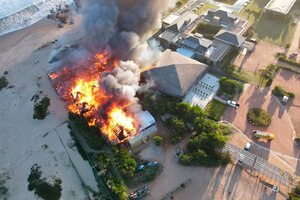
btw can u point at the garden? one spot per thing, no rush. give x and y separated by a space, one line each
208 31
259 117
215 109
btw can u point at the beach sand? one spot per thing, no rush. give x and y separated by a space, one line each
23 139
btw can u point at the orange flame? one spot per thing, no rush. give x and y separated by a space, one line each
87 99
118 123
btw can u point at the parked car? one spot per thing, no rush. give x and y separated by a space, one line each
284 100
273 187
264 135
139 193
233 104
247 146
240 160
293 55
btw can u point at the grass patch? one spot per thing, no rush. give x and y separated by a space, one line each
3 82
268 74
204 8
240 74
41 108
229 86
214 109
271 29
259 117
230 2
208 31
280 92
267 26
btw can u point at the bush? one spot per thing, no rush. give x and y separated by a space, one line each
125 162
118 188
280 92
230 86
259 117
175 138
91 134
40 109
157 140
104 162
214 109
295 194
208 31
3 82
283 58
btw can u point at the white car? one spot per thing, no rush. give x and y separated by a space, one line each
233 104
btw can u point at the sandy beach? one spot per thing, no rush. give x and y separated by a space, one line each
25 141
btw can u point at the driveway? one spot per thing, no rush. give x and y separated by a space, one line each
263 55
291 82
281 125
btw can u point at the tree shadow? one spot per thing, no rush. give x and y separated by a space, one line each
215 184
234 180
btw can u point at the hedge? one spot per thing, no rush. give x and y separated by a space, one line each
259 117
283 58
280 92
214 109
208 31
230 86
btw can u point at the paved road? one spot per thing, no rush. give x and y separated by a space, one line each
258 164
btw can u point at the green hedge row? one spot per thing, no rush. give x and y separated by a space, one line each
280 92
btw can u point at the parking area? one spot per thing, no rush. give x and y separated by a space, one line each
200 183
290 82
281 125
263 55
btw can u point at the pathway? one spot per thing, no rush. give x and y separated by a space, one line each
294 48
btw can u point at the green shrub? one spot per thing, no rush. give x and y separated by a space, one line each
295 193
283 58
259 117
280 92
40 109
230 86
157 140
91 134
125 162
207 30
3 82
176 138
118 188
214 109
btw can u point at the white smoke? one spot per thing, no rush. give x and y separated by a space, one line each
123 81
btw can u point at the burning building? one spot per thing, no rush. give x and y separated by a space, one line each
99 78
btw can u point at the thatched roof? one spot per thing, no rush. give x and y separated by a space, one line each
175 74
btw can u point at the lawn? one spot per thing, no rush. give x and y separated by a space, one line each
230 2
208 31
268 28
215 109
204 8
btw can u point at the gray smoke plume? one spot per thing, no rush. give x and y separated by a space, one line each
118 26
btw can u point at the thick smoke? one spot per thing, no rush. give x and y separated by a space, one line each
123 81
118 26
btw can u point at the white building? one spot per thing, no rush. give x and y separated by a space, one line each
203 92
147 128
